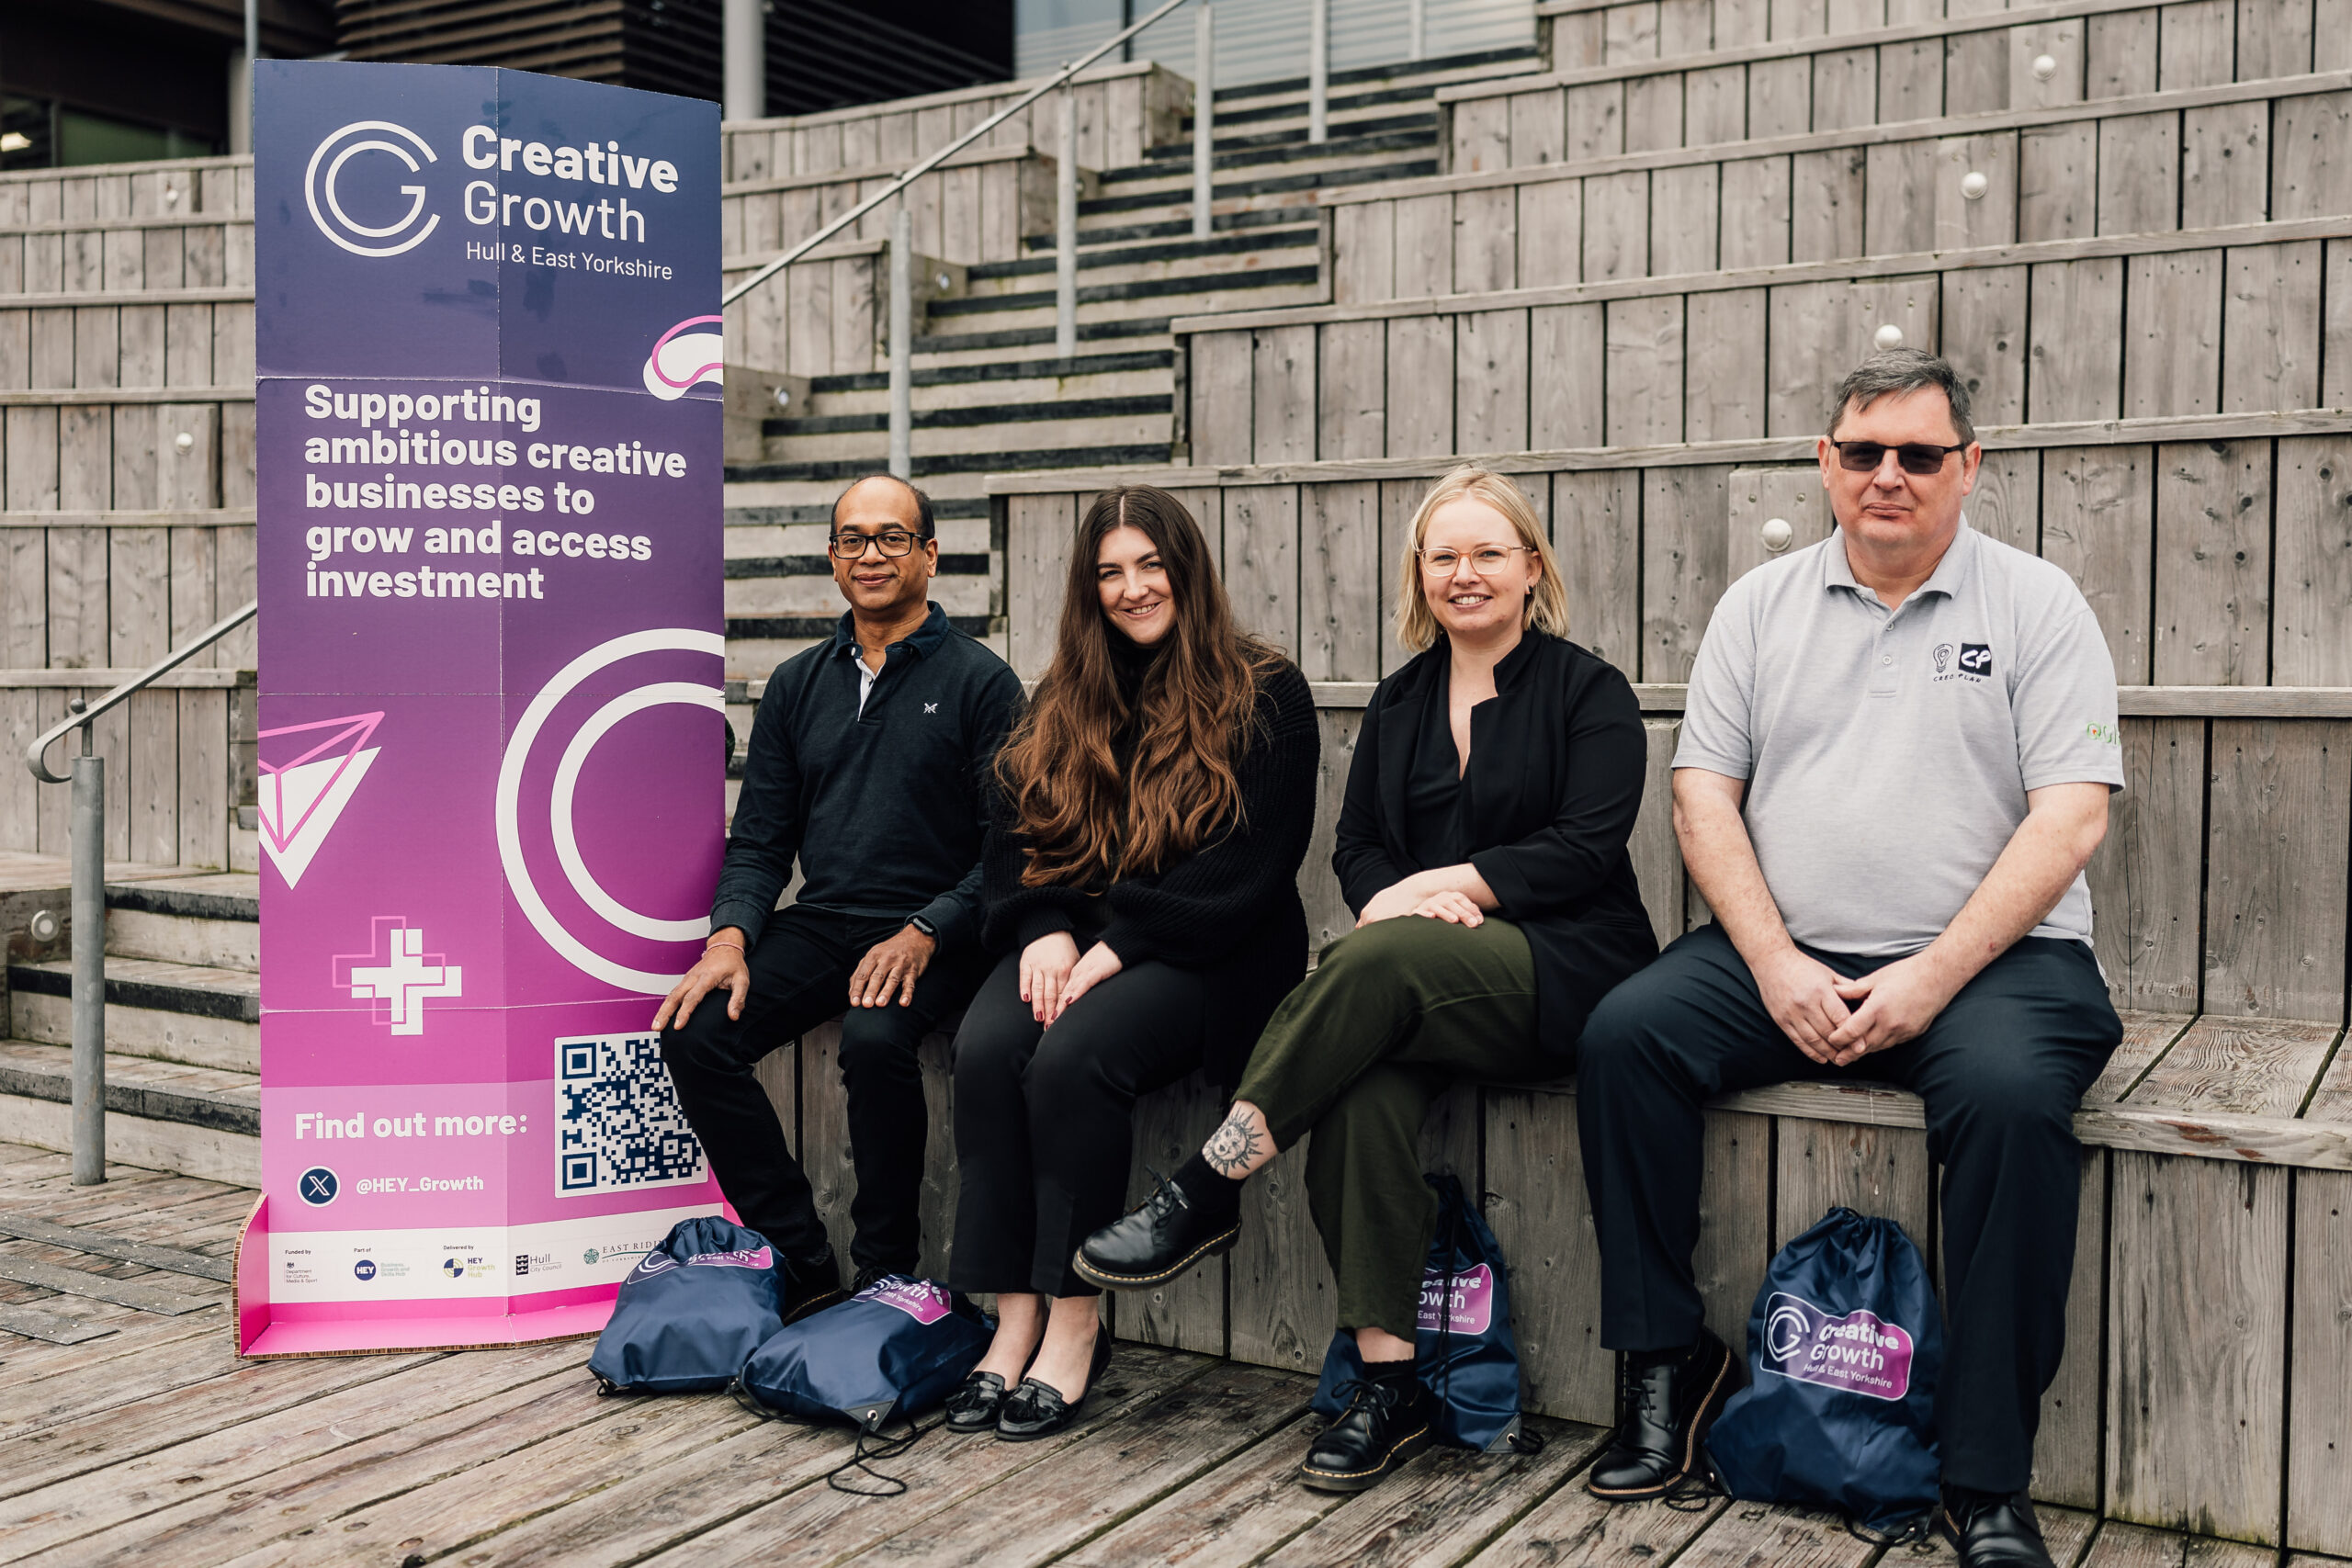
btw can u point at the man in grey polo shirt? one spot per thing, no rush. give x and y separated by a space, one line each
1894 764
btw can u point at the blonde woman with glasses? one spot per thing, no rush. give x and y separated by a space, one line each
1482 845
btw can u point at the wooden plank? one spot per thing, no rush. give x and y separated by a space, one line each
1491 372
1220 378
1328 915
2121 51
1484 249
1779 97
1714 106
137 1295
1542 1217
2252 1067
2173 334
2139 173
2061 42
2275 911
2007 503
1187 1314
1230 1517
1900 196
1747 1535
1723 388
1424 245
1684 205
1682 564
1565 376
1039 532
1363 259
1351 390
2310 639
1760 495
2212 601
1645 350
152 805
1340 603
1539 128
1596 120
1282 407
2225 148
2075 362
1399 499
1827 221
1735 1230
1596 532
1756 211
2198 48
1657 852
1653 113
1617 225
2271 347
1573 1529
1550 229
1421 385
1280 1302
2095 504
1874 1170
2066 1447
2319 1506
2197 1356
2309 177
1845 88
2144 876
1261 560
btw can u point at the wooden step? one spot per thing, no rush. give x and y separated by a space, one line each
192 1014
211 919
192 1120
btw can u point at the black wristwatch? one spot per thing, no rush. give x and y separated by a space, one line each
923 926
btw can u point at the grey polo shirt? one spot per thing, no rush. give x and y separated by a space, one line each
1887 755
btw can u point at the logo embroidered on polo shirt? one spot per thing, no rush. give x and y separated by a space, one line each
1971 662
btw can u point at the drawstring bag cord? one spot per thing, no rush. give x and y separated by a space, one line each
1918 1528
871 1444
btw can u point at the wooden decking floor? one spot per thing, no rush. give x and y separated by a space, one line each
152 1442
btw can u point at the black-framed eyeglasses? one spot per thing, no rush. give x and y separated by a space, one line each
889 541
1919 457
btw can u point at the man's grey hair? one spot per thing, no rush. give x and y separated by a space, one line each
1898 370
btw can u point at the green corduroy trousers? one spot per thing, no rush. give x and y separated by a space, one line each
1396 1013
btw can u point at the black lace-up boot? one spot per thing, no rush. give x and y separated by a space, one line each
1991 1531
1666 1403
1184 1221
1389 1418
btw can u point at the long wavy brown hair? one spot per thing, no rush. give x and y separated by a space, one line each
1083 820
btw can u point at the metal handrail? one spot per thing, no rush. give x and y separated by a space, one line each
1060 78
90 711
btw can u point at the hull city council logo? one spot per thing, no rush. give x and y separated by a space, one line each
376 137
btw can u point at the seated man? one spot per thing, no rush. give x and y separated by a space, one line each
1920 723
866 761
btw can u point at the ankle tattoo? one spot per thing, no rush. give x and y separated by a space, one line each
1232 1147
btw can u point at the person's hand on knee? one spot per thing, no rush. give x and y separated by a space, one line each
722 964
1456 909
1045 964
893 965
1801 993
1098 965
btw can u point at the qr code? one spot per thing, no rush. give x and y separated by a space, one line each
618 1123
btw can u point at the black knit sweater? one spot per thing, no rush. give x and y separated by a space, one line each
1231 906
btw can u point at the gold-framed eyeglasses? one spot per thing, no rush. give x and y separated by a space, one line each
1486 561
846 546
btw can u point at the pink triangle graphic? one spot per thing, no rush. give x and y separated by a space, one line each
301 798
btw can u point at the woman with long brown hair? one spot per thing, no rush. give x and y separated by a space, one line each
1152 805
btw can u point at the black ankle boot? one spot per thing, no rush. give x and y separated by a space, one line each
1180 1223
1388 1421
806 1285
1990 1530
1667 1403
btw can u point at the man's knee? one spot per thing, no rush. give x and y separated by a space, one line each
1621 1032
702 1044
877 1039
2005 1095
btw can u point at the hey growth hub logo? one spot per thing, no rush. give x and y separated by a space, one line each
376 136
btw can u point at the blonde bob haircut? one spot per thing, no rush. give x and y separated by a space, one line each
1547 605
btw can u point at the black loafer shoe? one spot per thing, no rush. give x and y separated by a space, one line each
1383 1426
808 1285
1991 1531
1153 1243
1667 1404
1037 1410
976 1404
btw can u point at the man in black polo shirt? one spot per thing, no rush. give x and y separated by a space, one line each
866 762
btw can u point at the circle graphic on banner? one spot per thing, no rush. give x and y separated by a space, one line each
318 1186
319 186
611 910
365 1269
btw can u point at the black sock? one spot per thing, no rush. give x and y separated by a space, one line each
1208 1190
1396 1374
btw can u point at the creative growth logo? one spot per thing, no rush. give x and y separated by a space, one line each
306 783
683 357
396 970
1858 1352
319 188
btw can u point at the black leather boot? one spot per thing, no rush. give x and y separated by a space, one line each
1153 1243
806 1285
1667 1403
1990 1530
1384 1425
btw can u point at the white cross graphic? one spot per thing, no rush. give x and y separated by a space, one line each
405 980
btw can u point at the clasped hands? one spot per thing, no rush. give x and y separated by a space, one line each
1837 1021
1053 975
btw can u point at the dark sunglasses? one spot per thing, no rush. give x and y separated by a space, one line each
1915 457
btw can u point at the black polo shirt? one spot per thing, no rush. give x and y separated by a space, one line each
884 808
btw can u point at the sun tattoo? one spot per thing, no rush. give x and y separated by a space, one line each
1233 1147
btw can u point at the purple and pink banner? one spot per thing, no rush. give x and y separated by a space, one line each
492 739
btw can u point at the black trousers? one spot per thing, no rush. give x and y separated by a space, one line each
801 969
2001 1069
1044 1118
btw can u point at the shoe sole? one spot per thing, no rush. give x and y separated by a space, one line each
1709 1408
1216 1245
1406 1449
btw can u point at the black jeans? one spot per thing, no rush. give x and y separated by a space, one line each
1044 1118
801 969
2001 1069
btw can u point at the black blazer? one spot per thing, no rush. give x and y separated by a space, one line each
1557 760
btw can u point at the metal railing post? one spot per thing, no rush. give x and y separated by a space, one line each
1203 118
86 834
1066 232
902 334
1318 70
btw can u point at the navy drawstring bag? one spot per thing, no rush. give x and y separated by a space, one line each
1464 1350
691 1312
1845 1344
